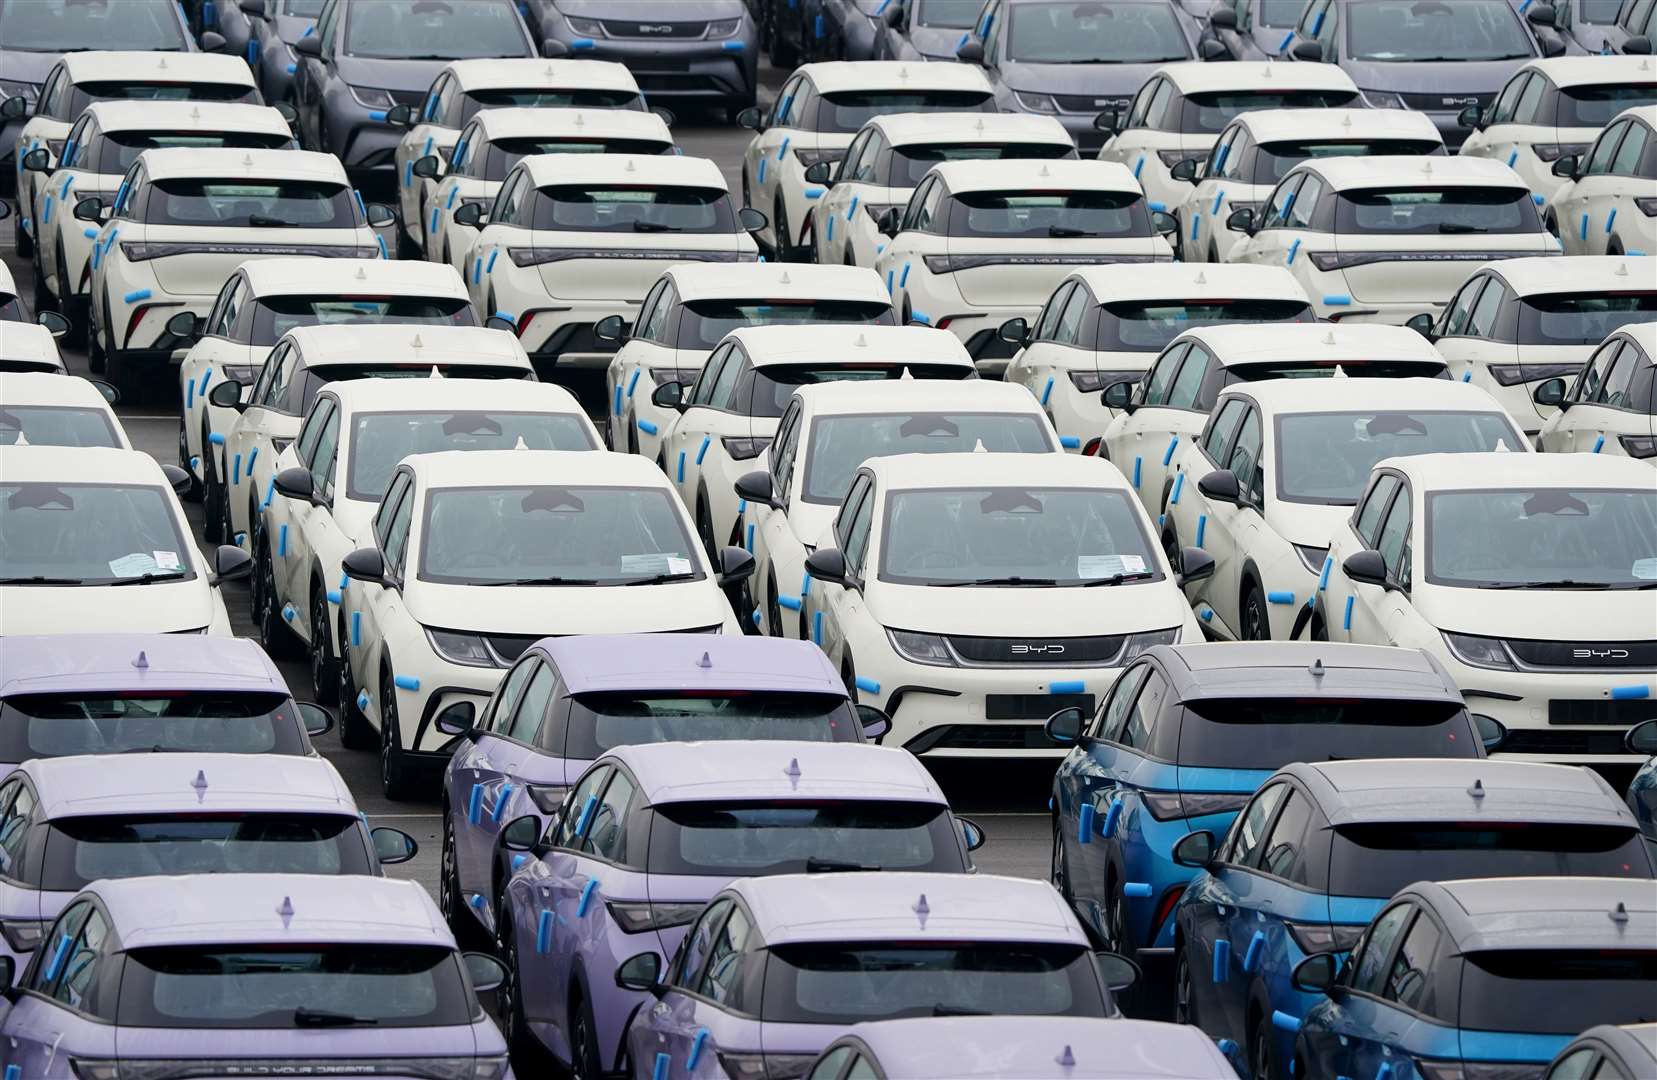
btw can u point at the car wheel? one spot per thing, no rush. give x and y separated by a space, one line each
848 675
43 298
1256 627
450 900
25 243
1260 1050
527 1053
1116 921
704 530
1185 1001
773 609
355 732
395 770
585 1063
1058 868
1614 247
779 226
632 427
267 617
193 492
324 668
96 361
74 308
212 494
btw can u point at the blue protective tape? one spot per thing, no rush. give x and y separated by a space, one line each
1336 299
474 804
282 540
449 204
216 438
1222 960
831 227
362 701
1584 230
1284 1022
903 282
659 1071
1179 486
543 932
633 382
618 400
1139 889
750 538
408 173
888 282
586 814
1257 944
792 603
356 630
206 375
852 209
867 685
732 46
1196 222
500 803
343 581
493 255
805 584
377 116
14 1072
1467 376
586 897
920 317
755 616
477 271
1630 693
814 192
1278 596
1075 686
334 596
90 233
1610 219
1206 614
817 627
762 170
1293 249
681 466
1084 824
1139 166
190 394
235 468
1323 578
406 682
783 149
1070 442
46 210
57 957
1168 454
696 1048
1047 391
1514 156
1599 444
1202 527
433 226
1384 1072
701 451
136 295
648 427
1113 816
1136 472
1317 23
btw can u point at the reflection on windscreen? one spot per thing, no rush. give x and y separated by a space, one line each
839 445
218 722
1326 457
848 110
380 440
1053 214
85 849
634 209
304 9
1378 859
948 14
271 204
1540 538
1280 13
1600 12
1445 211
1094 33
1149 325
121 148
1582 318
1389 31
1211 112
911 163
750 839
775 384
1269 733
601 722
704 323
434 30
70 25
54 425
1274 160
89 534
274 316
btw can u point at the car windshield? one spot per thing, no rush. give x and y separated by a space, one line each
1094 32
193 721
1049 214
1377 859
1581 318
1274 160
1596 106
602 722
844 982
303 9
434 30
121 148
1268 733
751 839
1444 211
948 14
1280 13
90 534
703 324
911 163
1411 31
838 445
1208 113
380 440
77 25
55 425
774 384
555 536
505 153
847 111
137 90
1542 538
274 316
294 986
1326 457
1560 991
258 204
634 210
1149 325
1014 536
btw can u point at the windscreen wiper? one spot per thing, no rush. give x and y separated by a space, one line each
40 579
941 1009
1455 228
1014 580
1563 583
538 581
147 578
654 226
815 865
305 1017
1117 579
1066 232
658 579
265 221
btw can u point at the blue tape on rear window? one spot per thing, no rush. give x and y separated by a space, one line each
57 957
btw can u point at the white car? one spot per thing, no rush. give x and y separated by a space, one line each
40 408
894 152
814 118
1608 204
184 219
728 417
303 361
1519 322
1101 326
29 347
1258 149
688 312
264 299
497 139
466 87
1534 589
1611 406
828 432
981 242
1383 239
473 556
79 524
80 78
1047 582
329 482
1278 466
1553 109
575 238
1182 108
102 146
1172 402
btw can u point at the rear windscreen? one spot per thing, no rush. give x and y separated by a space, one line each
1323 369
794 837
1269 733
58 725
1061 215
274 316
129 90
1562 991
1450 211
1581 318
505 153
121 148
55 425
1273 161
665 210
911 163
251 204
1149 325
775 384
1209 112
1596 106
848 110
316 378
1378 859
600 722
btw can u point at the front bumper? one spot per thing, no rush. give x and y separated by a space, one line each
1545 712
428 685
725 70
358 135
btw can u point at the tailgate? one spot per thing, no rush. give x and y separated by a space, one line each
1007 273
197 261
1424 268
591 266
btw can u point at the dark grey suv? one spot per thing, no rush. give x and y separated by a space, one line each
265 32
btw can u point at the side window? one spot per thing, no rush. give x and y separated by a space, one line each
1508 99
76 141
1141 105
17 805
913 210
79 986
1220 157
1157 108
388 506
693 955
576 817
1305 202
1162 374
1147 707
647 311
607 832
702 392
504 212
322 461
848 508
835 1060
927 213
396 539
1282 201
870 161
1530 100
1599 160
1482 323
1369 968
526 719
267 372
786 112
849 164
786 446
1375 504
469 156
281 380
127 196
1614 388
1461 308
1222 427
434 97
1244 459
1594 372
1118 702
990 27
49 966
1070 319
1250 829
223 315
1183 394
1285 852
655 328
720 981
1049 317
1627 161
1409 979
451 104
506 698
722 396
1391 541
857 539
48 90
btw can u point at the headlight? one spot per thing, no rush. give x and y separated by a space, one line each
920 648
1480 652
1477 1070
547 797
724 28
1555 151
1036 103
370 98
1091 382
1138 643
743 448
1312 557
684 376
1382 99
416 1068
637 917
1512 374
765 1066
1639 446
1321 937
458 648
23 935
809 158
1171 158
243 375
1648 207
28 91
585 27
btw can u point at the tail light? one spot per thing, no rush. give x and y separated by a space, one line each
1094 447
1170 900
1322 937
1648 207
138 314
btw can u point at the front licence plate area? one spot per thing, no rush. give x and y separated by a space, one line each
1601 711
1034 706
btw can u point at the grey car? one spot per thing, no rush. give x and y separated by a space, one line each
1587 23
1636 26
1255 29
366 57
265 31
689 51
1435 56
926 29
1074 60
853 27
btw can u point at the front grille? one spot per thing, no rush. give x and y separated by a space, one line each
1600 711
1000 737
1556 741
1031 651
1585 654
1088 103
639 28
682 84
1441 102
1033 706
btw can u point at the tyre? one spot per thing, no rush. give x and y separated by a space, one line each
95 359
1058 869
585 1059
773 608
779 227
1117 936
75 309
527 1053
632 434
324 668
193 492
704 530
355 732
267 613
451 901
43 298
1185 1001
1255 624
1261 1057
24 242
396 771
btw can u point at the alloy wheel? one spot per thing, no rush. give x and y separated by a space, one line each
323 680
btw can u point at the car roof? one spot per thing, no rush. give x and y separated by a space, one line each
188 116
908 472
51 663
1531 275
111 65
833 76
1642 334
1544 913
782 281
507 468
516 123
1363 395
29 341
354 343
992 1047
1285 125
1593 70
1241 343
80 464
1409 171
287 276
1035 174
1301 669
905 129
1496 470
829 343
724 771
1636 1044
596 663
373 395
1647 113
668 170
916 395
234 909
1465 789
51 388
513 73
85 785
1203 76
790 908
218 162
1192 281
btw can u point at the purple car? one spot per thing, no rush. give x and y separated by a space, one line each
993 1047
66 822
116 693
650 832
221 975
568 700
776 968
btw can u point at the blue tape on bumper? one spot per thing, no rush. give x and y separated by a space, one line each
216 438
1139 889
701 451
696 1048
633 382
868 686
356 631
136 295
1179 486
406 682
500 802
1084 824
1630 693
1257 945
1277 596
586 897
543 932
1336 299
1222 960
1074 687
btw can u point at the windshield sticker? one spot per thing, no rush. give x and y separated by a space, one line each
167 560
1645 569
651 565
134 565
1098 566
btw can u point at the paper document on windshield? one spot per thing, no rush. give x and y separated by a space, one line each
135 565
654 564
1100 566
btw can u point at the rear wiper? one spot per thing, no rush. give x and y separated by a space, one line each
941 1009
538 581
304 1017
654 226
265 221
1452 228
1066 232
40 579
683 575
1117 579
147 578
999 581
815 865
1564 583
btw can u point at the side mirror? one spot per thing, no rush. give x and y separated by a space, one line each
107 389
1064 727
38 160
1222 18
501 323
430 166
1221 486
365 564
1569 167
484 970
1241 220
1641 738
294 482
1309 51
521 834
1116 970
1423 325
392 846
1550 392
317 720
471 214
735 566
827 564
669 395
890 221
611 328
972 833
1315 974
1185 169
1195 564
177 478
1015 331
287 112
754 486
1472 118
379 215
751 118
642 973
1366 567
874 721
970 52
1637 46
55 324
14 108
1109 121
1213 49
256 8
457 719
400 116
821 172
1119 396
212 41
1492 732
88 209
1164 223
230 563
310 45
1542 15
1195 850
752 220
227 395
184 324
553 49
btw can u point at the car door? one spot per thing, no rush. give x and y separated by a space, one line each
1463 352
483 766
1379 614
43 1029
1223 529
295 563
503 229
439 114
310 79
1588 206
628 360
915 238
381 606
1349 1039
1039 364
1361 532
1501 128
701 421
851 180
1628 191
1604 397
843 606
1137 439
546 996
252 438
1273 243
677 1015
773 534
1116 808
762 160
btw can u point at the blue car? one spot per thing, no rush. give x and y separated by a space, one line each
1642 792
1189 732
1476 979
1316 854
